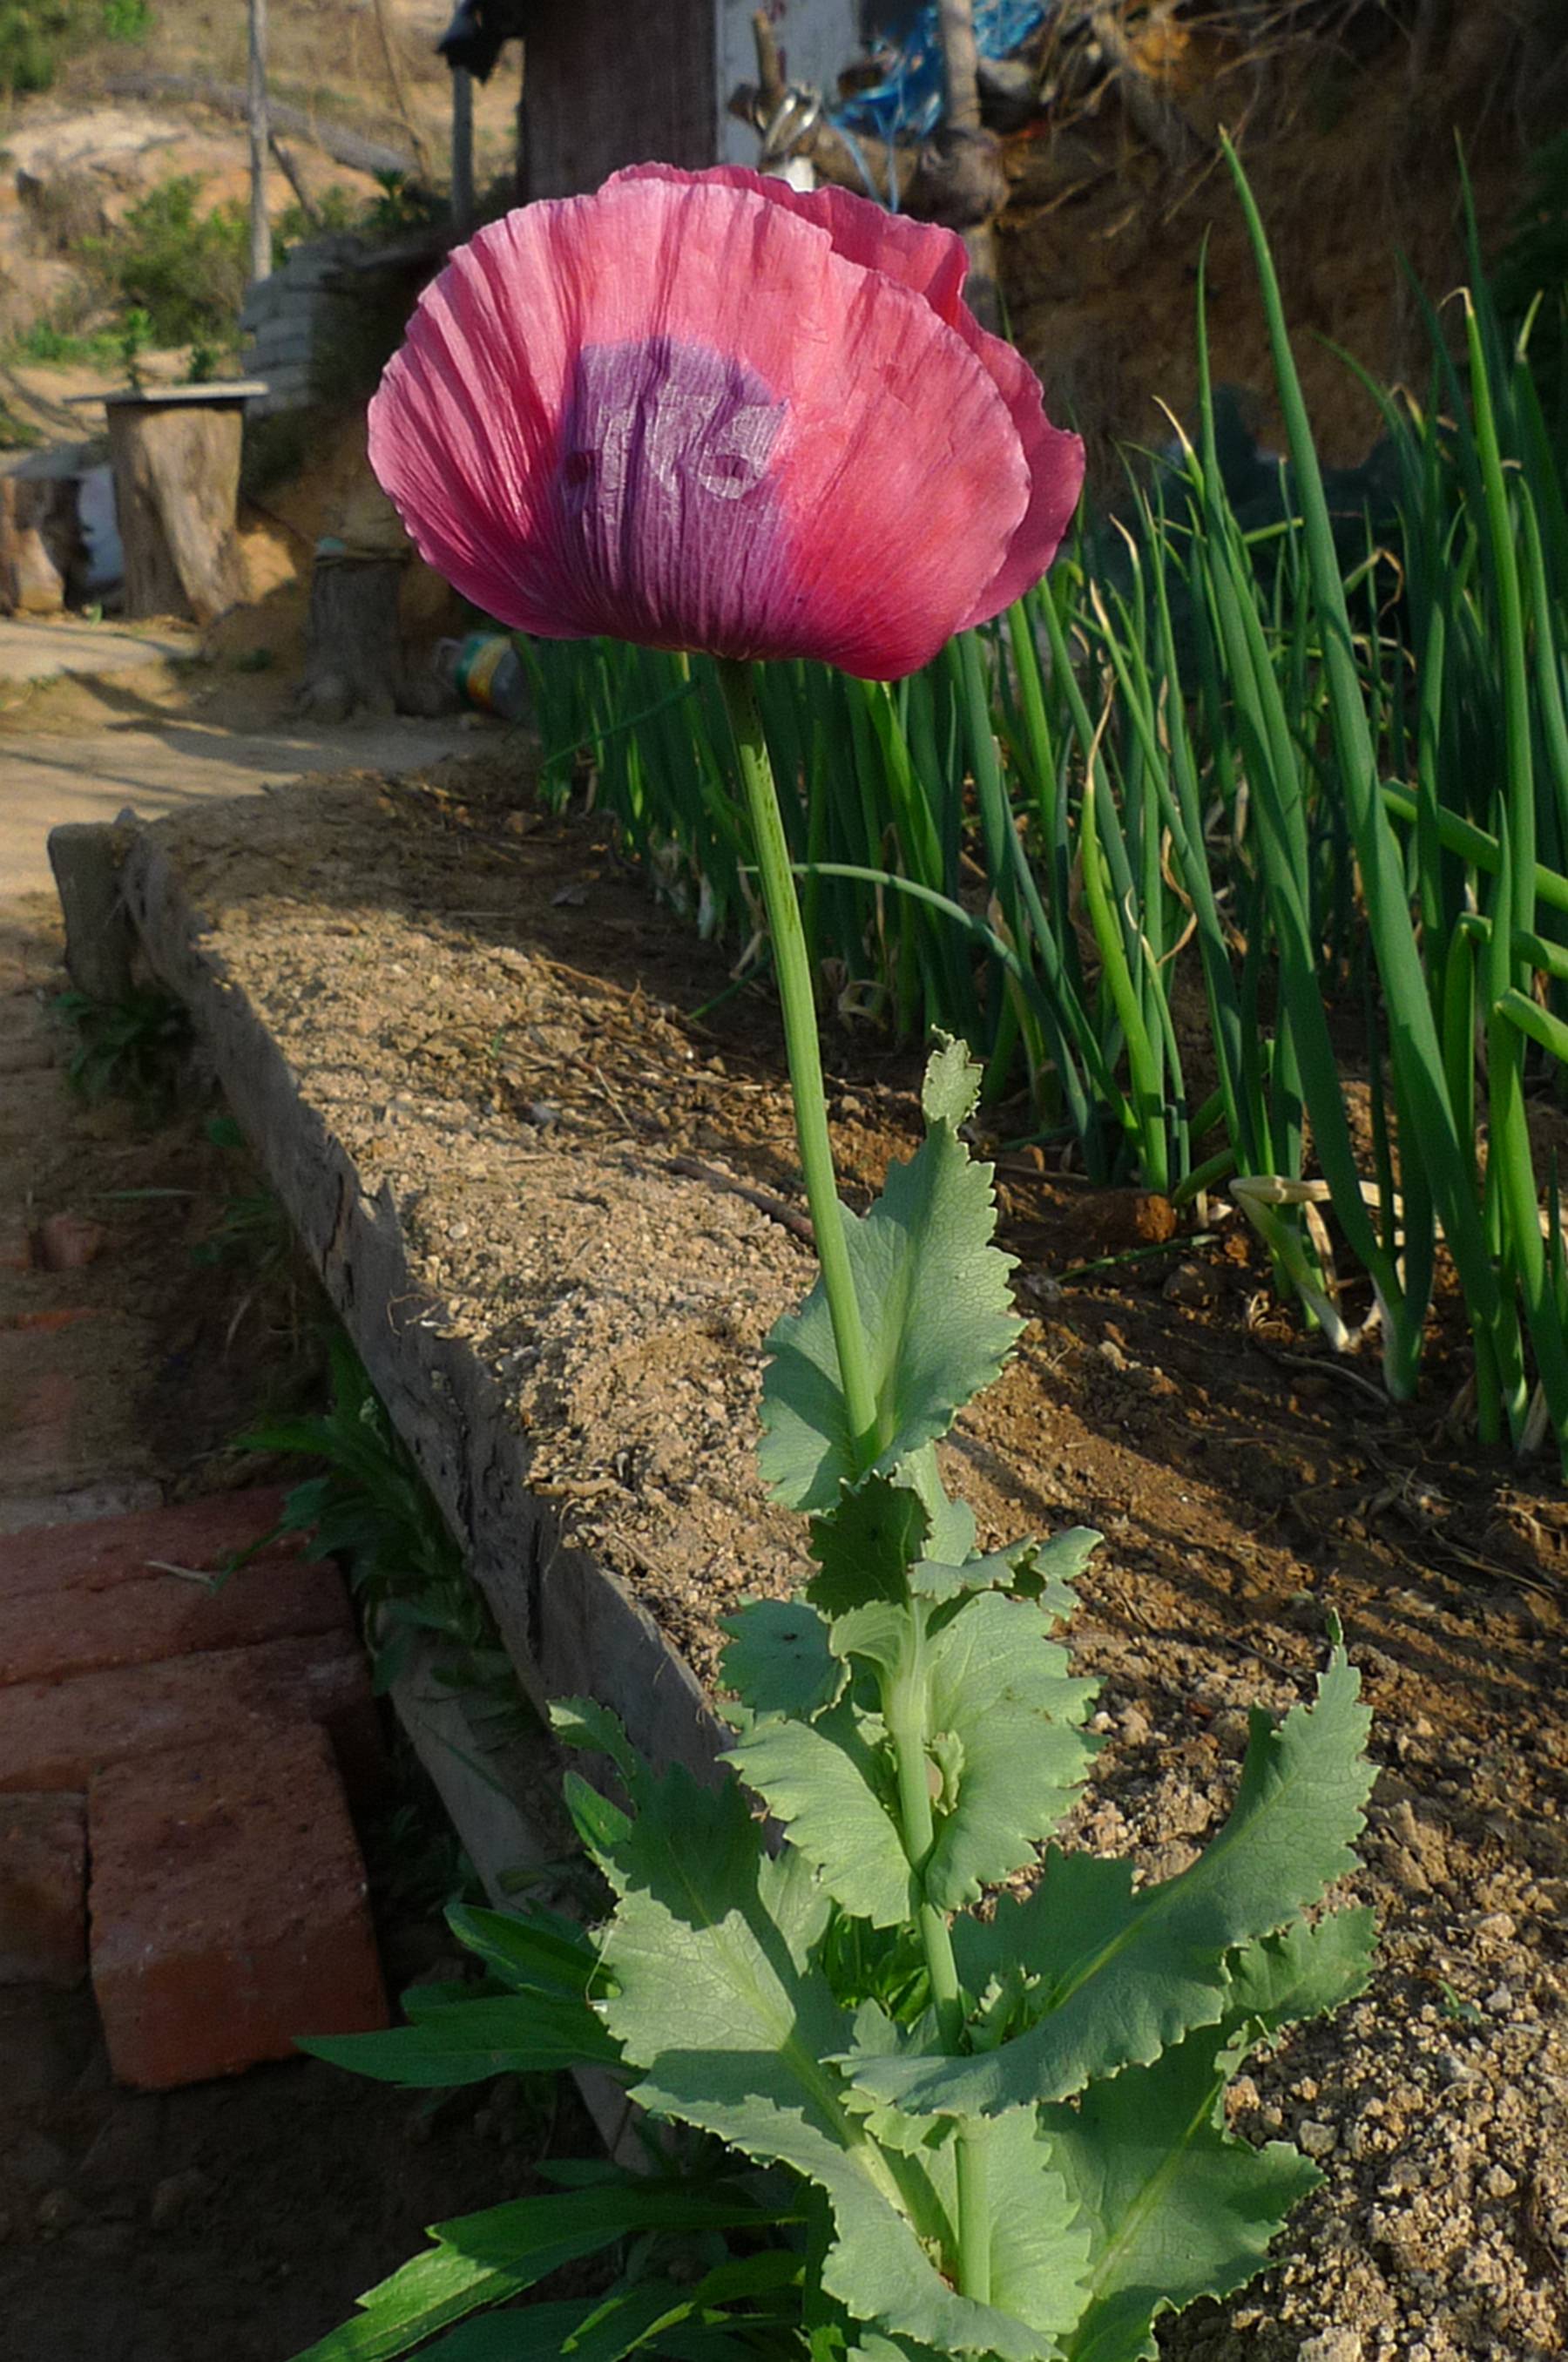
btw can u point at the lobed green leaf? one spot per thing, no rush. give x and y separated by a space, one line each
721 2005
1000 1688
1177 2209
778 1660
936 1309
1120 1976
819 1783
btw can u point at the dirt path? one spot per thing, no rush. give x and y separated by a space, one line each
141 2226
156 756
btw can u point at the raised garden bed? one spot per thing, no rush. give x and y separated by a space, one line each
454 1029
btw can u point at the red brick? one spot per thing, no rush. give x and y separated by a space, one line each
198 1534
142 1619
68 1401
43 1870
228 1909
16 1247
57 1733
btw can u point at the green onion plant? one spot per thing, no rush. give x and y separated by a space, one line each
1295 759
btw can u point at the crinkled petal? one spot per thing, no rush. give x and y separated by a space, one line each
932 262
919 255
1054 459
675 412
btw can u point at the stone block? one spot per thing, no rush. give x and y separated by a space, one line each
105 1550
228 1908
147 1617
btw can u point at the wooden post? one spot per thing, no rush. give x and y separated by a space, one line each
255 115
962 127
176 468
462 150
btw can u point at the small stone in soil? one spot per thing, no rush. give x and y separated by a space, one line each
175 2195
58 2210
1332 2346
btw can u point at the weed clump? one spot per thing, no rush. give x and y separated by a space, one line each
185 268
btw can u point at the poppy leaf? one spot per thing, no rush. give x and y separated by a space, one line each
778 1661
1178 2208
936 1308
1131 1973
1000 1689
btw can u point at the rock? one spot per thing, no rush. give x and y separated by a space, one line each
1317 2138
1230 1730
58 2210
1332 2346
32 574
69 1241
34 2161
175 2195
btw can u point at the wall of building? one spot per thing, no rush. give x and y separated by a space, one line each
609 83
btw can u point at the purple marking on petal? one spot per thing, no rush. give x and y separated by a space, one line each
667 521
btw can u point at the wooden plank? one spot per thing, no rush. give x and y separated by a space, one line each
567 1623
505 1805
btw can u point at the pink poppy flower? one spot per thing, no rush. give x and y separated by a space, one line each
700 410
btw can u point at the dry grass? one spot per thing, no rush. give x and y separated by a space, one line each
327 57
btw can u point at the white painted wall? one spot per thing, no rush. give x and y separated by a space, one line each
818 38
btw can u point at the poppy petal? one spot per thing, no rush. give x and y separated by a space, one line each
933 262
674 412
919 255
1054 459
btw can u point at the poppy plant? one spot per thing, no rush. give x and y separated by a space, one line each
706 411
992 2127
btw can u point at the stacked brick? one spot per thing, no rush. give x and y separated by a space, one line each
288 323
175 1761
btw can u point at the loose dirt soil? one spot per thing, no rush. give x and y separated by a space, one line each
503 1031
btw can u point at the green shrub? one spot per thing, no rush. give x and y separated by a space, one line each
185 270
33 37
128 20
51 344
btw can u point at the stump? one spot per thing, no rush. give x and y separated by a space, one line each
40 542
353 650
175 455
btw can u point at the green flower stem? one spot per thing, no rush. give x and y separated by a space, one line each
792 968
906 1699
903 1703
975 2210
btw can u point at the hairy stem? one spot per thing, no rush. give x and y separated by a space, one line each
902 1703
793 970
903 1700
